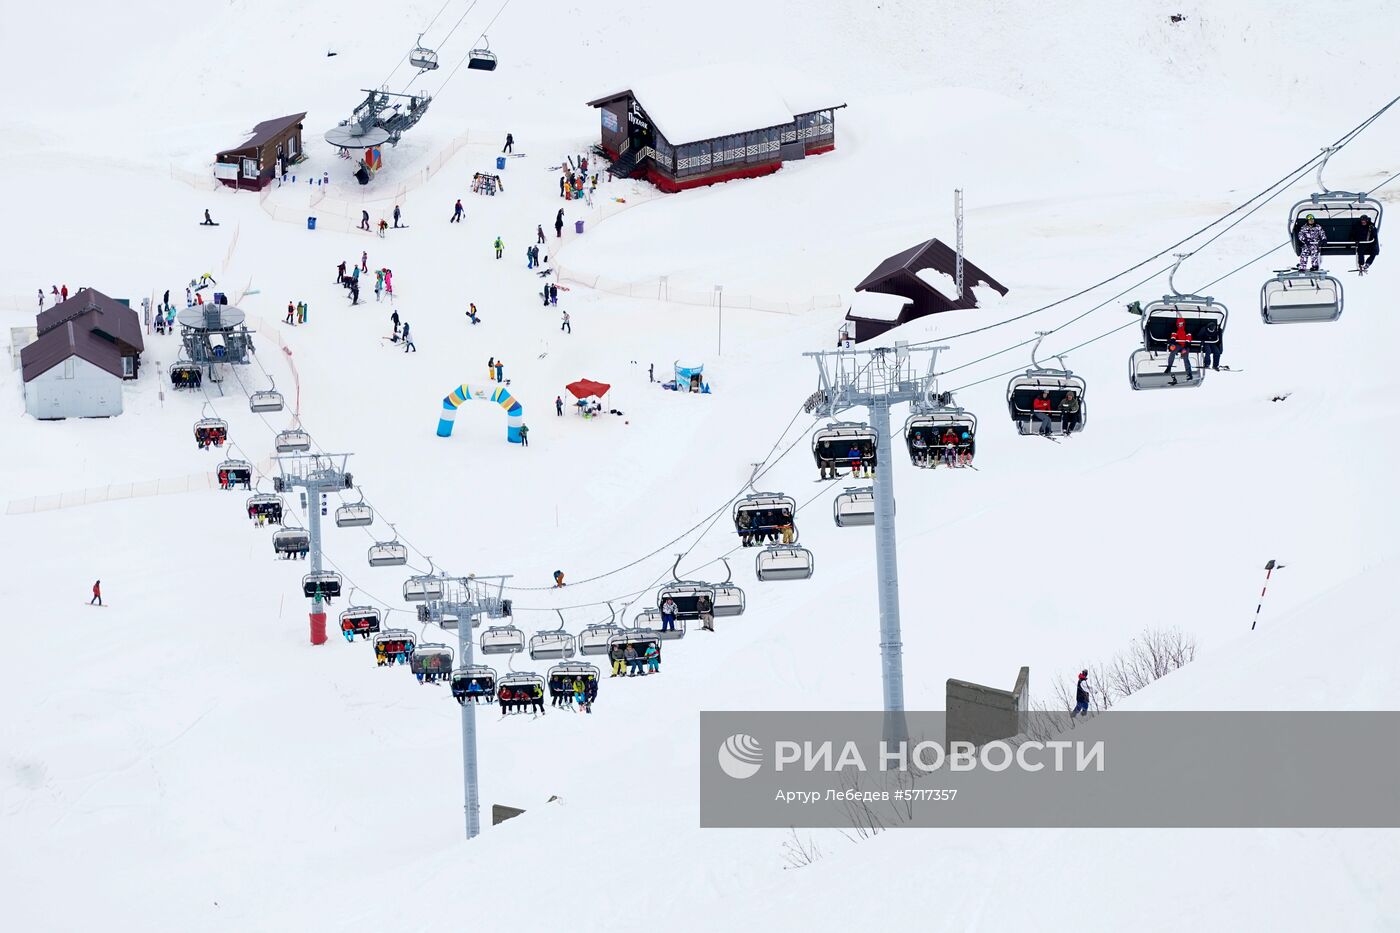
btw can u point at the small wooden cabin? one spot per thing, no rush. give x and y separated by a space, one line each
273 145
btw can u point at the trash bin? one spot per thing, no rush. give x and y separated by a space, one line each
311 223
578 226
500 163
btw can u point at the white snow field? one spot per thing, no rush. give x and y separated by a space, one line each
184 760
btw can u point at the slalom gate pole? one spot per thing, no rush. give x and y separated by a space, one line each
1269 568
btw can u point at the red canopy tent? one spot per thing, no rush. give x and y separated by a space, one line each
587 388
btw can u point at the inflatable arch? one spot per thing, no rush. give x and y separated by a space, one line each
515 414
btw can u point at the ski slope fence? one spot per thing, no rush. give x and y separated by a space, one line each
112 492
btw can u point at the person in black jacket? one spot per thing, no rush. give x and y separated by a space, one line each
1367 243
1081 695
1212 344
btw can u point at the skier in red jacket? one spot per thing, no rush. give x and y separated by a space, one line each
96 593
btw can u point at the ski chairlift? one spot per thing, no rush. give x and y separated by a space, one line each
831 447
266 504
393 646
729 598
290 541
359 620
422 589
293 440
423 58
210 432
1338 213
854 507
265 401
764 515
235 473
639 639
502 639
1159 321
431 662
1147 369
561 678
324 584
552 644
473 682
520 686
650 619
686 594
354 515
925 436
594 638
1024 389
783 563
1300 297
185 376
387 554
482 59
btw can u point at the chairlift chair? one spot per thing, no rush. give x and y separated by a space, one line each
854 507
650 619
393 646
291 541
265 401
293 440
266 504
210 432
1300 297
185 376
729 600
423 58
763 514
387 554
1023 389
1147 369
638 638
515 681
594 638
431 662
354 515
469 675
1337 213
571 670
236 473
551 645
1159 320
783 563
422 589
832 444
482 59
359 620
324 584
686 595
931 426
502 639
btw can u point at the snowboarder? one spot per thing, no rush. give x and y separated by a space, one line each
558 578
208 221
1081 695
510 144
539 234
96 593
340 273
524 435
1364 233
500 370
364 220
566 327
291 314
1212 342
490 368
1311 238
1179 345
407 340
559 223
499 247
394 319
397 215
457 213
471 313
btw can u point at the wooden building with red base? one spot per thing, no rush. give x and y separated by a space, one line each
707 125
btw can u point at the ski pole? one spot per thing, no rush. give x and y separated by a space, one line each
1269 567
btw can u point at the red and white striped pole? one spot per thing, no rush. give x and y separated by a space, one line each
1269 567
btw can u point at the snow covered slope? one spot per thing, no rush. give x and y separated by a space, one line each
182 759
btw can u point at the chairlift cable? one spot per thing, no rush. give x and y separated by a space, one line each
464 58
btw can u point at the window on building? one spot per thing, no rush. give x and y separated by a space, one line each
68 369
128 367
291 147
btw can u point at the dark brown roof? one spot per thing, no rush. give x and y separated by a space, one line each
94 311
68 340
268 131
934 254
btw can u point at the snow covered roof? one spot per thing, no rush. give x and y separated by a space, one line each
721 99
877 306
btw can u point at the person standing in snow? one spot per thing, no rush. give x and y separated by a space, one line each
499 247
651 372
407 341
378 284
500 370
471 313
397 215
559 405
364 220
96 593
553 294
340 273
566 327
457 213
291 312
563 185
41 298
1311 238
510 144
490 368
1081 696
559 223
524 435
364 260
539 234
394 319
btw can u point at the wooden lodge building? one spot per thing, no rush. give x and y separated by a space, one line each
713 124
274 145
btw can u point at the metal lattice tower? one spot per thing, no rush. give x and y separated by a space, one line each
463 602
876 380
316 475
958 218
